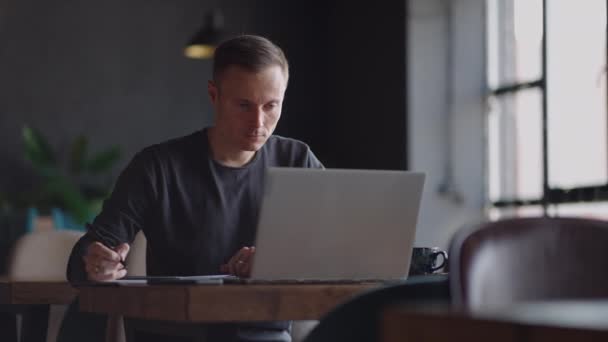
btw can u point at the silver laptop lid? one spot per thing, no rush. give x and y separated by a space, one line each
336 224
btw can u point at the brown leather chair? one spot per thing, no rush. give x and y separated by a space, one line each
497 263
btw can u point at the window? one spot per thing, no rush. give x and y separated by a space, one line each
547 108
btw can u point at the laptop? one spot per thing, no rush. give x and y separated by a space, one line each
331 225
336 225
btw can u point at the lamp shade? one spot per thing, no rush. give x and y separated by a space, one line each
203 43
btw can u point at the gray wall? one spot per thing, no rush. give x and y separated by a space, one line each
111 70
447 113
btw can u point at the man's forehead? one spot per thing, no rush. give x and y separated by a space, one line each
260 97
267 84
237 72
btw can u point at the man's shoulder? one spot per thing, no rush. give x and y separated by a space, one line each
174 145
279 141
169 149
284 151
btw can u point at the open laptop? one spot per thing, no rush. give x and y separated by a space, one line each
336 225
331 225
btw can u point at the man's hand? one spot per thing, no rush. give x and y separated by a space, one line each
102 263
240 264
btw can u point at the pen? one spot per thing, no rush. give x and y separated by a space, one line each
105 241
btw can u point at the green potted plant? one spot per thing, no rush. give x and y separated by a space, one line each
72 188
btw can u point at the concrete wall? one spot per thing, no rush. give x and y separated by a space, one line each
446 110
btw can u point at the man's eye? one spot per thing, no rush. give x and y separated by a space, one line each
244 106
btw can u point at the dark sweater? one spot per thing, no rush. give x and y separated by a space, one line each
194 212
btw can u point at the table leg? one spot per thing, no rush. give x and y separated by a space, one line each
139 330
83 326
35 324
8 326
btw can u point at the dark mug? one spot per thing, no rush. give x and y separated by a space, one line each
424 260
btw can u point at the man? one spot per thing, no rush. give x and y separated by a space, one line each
196 198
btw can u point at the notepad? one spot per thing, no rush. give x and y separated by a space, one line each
160 280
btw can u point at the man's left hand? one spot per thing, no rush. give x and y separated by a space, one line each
240 264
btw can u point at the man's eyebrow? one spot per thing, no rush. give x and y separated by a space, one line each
247 101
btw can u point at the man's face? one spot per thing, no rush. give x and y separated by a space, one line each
247 105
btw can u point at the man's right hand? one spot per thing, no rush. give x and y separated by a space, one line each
240 264
102 263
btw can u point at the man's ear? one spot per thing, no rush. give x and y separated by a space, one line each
212 91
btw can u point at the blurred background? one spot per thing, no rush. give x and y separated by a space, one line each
503 121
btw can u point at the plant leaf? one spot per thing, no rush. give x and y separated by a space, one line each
37 149
91 191
78 154
70 197
104 160
96 205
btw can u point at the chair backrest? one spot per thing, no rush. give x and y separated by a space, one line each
42 255
497 263
136 260
358 319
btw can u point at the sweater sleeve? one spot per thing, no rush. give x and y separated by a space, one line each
122 216
312 161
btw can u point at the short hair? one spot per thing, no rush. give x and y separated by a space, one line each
251 52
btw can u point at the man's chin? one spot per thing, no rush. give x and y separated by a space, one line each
253 145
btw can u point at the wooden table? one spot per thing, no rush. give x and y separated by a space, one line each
218 303
180 309
36 292
32 299
554 321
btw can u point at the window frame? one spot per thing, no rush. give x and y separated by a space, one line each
550 196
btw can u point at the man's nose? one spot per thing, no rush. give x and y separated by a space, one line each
259 118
